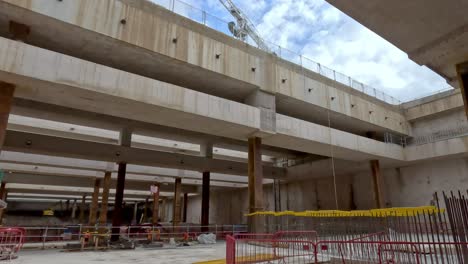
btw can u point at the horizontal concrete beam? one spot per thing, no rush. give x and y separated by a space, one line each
57 113
78 181
64 147
50 164
68 193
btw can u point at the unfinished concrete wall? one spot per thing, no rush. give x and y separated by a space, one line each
443 121
229 207
413 185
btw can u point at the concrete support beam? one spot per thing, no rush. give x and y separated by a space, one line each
377 183
94 203
82 209
6 100
462 71
117 215
155 218
105 198
66 147
256 224
177 205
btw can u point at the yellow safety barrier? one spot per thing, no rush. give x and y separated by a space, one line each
386 212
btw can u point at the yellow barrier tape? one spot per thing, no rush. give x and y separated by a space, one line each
387 212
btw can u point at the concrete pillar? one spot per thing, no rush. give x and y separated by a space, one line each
3 195
105 198
6 100
255 170
177 205
155 218
82 209
135 212
163 210
119 193
73 214
205 210
462 71
94 203
377 184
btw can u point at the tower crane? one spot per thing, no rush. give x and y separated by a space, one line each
244 26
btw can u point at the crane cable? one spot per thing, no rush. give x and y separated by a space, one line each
332 153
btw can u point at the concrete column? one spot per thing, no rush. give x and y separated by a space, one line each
255 170
105 198
3 195
73 214
119 193
177 205
205 210
94 203
377 183
82 209
163 210
462 71
155 218
6 100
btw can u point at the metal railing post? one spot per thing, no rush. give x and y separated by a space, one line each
44 237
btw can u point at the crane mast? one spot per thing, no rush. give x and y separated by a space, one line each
244 26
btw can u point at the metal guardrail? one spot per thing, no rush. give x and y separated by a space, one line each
41 236
440 135
202 17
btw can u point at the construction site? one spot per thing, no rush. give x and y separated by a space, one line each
137 131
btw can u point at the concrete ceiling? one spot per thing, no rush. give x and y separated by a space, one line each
433 32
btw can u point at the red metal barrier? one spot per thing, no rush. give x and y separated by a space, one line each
273 248
11 241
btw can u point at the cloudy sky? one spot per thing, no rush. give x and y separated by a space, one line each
324 34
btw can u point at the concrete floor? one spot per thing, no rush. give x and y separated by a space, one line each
155 256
